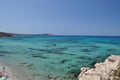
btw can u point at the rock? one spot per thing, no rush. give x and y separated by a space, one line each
86 50
21 64
29 65
52 79
72 76
54 44
65 60
102 71
67 77
58 79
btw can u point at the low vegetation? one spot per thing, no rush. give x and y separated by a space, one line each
116 75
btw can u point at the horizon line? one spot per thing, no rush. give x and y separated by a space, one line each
51 34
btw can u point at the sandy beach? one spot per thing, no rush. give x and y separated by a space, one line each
7 72
10 73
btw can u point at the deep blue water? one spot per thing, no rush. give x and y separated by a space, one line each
56 56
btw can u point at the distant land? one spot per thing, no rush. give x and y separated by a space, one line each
4 34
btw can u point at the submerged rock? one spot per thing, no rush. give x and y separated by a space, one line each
39 56
102 71
111 50
29 65
65 60
4 52
95 46
21 64
86 50
71 74
85 57
53 51
2 55
54 44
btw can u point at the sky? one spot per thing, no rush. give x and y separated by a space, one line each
61 17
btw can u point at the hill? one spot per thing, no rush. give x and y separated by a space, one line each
4 34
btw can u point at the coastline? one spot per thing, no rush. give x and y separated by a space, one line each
6 71
104 69
12 72
55 57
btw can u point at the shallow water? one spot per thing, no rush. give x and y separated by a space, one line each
56 56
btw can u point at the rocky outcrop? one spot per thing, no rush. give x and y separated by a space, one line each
101 71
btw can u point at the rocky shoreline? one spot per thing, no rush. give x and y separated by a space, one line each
101 71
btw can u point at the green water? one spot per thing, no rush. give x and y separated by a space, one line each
56 56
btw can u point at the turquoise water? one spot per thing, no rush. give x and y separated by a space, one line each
56 56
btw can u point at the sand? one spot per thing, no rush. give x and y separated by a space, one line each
7 72
12 73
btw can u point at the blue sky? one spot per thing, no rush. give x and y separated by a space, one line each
62 17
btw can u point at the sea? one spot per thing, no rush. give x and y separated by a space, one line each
56 57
